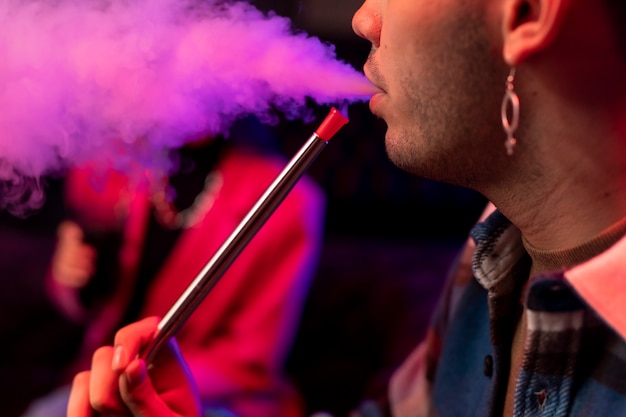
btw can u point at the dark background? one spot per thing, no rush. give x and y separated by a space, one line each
389 239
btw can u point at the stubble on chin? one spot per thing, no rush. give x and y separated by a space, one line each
450 113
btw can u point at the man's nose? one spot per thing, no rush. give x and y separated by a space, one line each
366 24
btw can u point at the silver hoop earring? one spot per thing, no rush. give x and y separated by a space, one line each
510 125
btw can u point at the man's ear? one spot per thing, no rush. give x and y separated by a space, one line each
529 26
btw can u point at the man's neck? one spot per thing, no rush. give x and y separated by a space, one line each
570 199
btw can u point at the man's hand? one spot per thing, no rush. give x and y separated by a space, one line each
119 384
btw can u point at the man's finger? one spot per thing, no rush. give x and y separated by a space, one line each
103 385
133 338
139 394
79 404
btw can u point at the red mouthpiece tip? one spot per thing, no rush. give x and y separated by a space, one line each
331 124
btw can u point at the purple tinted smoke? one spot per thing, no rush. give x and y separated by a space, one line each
122 80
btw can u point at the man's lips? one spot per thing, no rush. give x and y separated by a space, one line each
377 96
372 79
374 103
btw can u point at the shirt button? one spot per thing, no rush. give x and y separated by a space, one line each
488 366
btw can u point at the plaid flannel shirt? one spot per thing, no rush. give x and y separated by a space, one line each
574 361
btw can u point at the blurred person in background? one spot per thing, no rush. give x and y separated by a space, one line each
130 252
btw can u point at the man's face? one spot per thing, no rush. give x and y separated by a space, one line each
442 83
